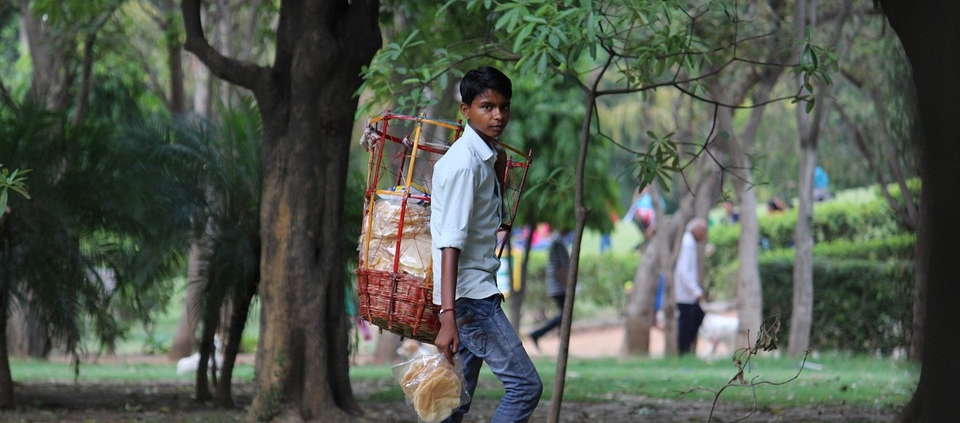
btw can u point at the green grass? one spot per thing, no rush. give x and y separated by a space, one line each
115 370
842 380
838 380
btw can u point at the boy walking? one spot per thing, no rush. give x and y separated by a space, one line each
466 213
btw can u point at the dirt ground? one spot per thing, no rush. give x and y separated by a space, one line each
172 401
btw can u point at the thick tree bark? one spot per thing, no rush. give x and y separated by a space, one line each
6 379
307 102
924 29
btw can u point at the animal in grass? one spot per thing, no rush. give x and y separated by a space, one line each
191 362
718 329
412 349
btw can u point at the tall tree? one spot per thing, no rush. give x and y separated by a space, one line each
88 242
925 28
307 104
809 124
640 46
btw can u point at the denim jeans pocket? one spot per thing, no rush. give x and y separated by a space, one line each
472 318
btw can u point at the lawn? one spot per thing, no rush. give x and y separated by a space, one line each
833 380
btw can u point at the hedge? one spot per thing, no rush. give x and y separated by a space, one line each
860 305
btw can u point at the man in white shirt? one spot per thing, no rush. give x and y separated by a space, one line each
686 284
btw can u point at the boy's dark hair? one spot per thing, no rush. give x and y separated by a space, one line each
476 81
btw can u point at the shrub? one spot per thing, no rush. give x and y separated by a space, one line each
600 282
860 305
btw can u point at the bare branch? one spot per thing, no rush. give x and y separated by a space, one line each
244 74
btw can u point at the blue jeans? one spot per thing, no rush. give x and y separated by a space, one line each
487 336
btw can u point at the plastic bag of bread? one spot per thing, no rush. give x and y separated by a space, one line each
432 385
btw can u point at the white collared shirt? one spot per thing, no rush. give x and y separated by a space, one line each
465 210
685 275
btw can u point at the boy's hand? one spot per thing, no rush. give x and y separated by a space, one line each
448 340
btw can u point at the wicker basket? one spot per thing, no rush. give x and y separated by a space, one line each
399 303
394 275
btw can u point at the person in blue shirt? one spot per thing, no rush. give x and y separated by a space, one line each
467 211
821 184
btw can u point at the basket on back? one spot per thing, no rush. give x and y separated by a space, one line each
394 275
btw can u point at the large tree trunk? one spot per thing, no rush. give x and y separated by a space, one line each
307 103
6 379
925 28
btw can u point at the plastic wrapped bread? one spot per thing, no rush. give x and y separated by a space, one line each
432 385
415 241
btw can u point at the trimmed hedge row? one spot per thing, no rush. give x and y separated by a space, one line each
860 305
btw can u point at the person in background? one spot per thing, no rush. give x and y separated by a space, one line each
730 212
821 184
467 213
777 205
558 266
641 212
686 283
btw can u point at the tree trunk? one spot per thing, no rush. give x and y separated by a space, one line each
238 321
386 350
185 338
307 103
801 316
749 287
924 28
640 310
211 321
51 80
6 379
176 102
26 336
580 213
920 277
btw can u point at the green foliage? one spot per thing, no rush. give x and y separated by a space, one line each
12 181
860 305
837 220
107 222
863 273
600 283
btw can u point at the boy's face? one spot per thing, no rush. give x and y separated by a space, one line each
488 114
